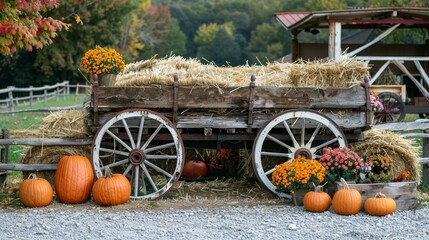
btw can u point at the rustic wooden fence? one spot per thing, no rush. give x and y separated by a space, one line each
39 94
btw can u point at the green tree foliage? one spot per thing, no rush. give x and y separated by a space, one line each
217 43
325 4
269 41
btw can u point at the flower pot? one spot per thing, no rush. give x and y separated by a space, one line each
107 79
298 196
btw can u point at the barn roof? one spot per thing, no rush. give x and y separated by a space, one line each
355 18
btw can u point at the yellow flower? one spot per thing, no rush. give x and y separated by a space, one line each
297 174
102 61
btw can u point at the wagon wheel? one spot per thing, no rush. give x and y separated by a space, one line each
145 147
291 134
394 108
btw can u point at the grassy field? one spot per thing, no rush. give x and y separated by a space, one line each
32 120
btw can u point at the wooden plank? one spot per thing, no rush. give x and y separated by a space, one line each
420 124
230 98
350 120
399 90
28 167
404 193
45 141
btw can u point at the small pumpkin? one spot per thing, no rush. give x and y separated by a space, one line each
111 189
380 205
317 200
35 192
346 201
195 169
74 179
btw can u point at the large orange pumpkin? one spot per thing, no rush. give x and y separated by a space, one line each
317 200
346 201
35 192
112 189
380 205
73 179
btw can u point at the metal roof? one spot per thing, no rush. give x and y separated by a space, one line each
355 18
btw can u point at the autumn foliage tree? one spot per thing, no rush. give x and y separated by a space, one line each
22 25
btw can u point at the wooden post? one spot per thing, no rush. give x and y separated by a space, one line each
426 154
10 95
334 41
294 46
77 91
31 95
45 94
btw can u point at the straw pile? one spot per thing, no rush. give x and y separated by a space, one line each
402 151
61 124
191 72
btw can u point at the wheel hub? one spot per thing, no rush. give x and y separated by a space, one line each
137 156
304 152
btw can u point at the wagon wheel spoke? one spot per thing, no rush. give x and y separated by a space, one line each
115 164
158 169
145 147
291 131
295 143
130 137
310 142
117 152
139 136
151 137
119 140
148 176
136 181
164 146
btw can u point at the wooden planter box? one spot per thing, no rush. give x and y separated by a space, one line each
404 193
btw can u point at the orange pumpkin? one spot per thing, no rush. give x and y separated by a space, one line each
73 179
35 192
346 201
317 200
112 189
380 205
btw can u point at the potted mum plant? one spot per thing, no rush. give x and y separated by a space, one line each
341 162
297 177
105 62
225 163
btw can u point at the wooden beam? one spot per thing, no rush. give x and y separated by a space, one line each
45 141
28 167
334 41
420 124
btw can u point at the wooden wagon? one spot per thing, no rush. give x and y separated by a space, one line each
142 132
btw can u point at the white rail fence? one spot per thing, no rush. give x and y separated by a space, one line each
39 94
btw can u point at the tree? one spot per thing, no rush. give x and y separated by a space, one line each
217 43
22 25
269 41
102 25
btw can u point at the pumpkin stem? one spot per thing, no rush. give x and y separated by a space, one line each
344 183
108 172
380 195
32 176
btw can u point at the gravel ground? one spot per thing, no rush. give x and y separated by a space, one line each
192 220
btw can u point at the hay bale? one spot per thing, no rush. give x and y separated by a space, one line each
65 124
401 150
191 72
51 154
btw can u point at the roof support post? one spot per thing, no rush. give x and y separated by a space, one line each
334 41
294 45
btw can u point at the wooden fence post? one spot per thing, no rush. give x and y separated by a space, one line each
31 95
426 154
45 94
10 95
